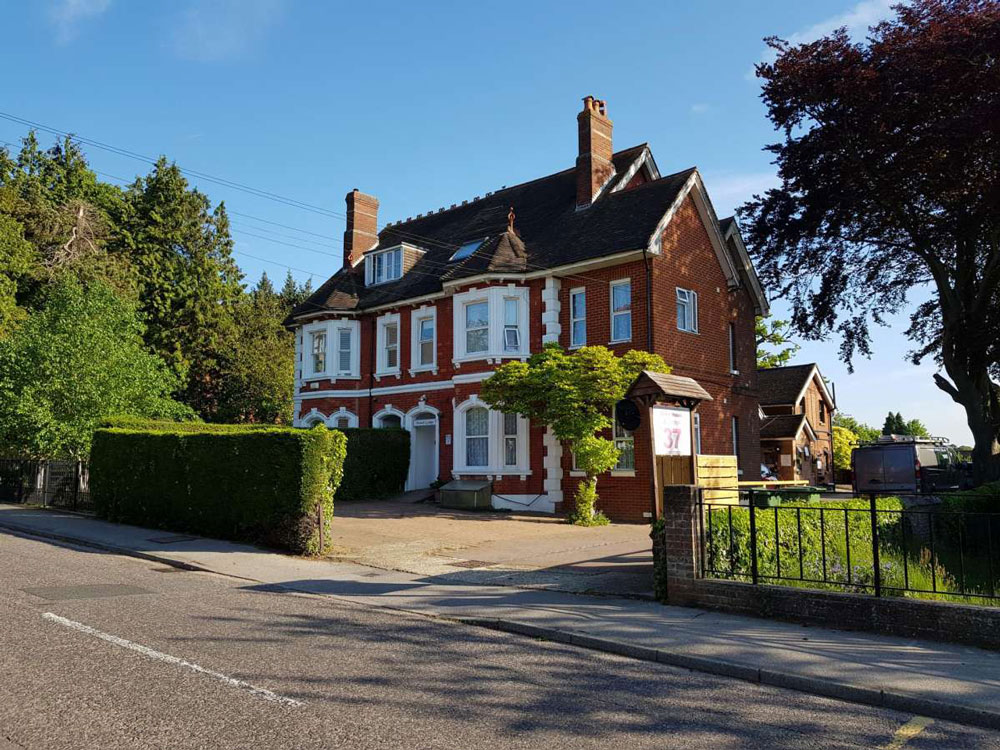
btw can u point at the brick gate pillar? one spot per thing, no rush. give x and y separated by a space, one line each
677 549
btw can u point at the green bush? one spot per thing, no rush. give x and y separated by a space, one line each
376 465
267 485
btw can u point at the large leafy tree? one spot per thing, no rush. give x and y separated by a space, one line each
257 363
890 190
77 359
188 279
864 432
574 394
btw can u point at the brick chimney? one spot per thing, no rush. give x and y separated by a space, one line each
593 166
362 226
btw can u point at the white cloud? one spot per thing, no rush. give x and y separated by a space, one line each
730 190
856 20
67 15
699 108
211 30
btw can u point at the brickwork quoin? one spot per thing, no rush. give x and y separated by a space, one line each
678 580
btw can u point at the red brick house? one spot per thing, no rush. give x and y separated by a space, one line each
796 434
607 252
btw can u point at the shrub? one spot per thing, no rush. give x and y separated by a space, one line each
267 485
376 465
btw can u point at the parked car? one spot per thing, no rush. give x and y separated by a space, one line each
903 463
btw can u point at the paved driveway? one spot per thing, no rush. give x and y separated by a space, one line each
506 549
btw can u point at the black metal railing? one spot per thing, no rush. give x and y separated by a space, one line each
57 484
916 545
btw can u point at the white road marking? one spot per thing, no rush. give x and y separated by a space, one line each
159 656
908 731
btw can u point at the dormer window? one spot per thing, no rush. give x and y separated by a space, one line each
385 265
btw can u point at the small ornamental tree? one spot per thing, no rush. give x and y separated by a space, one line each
844 441
573 394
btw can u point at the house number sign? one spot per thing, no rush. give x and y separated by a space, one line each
671 431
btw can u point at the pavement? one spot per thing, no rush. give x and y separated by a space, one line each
499 548
944 681
100 650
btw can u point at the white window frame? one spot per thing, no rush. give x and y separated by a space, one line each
417 317
689 298
466 329
391 260
733 369
332 330
494 297
611 307
314 337
388 411
619 435
381 353
496 444
574 319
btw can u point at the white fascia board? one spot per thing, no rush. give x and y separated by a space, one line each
696 189
763 307
645 159
814 373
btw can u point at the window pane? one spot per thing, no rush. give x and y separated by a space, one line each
622 327
579 332
391 332
511 339
427 329
390 421
319 352
390 358
477 315
682 313
344 349
342 423
476 450
510 424
477 340
621 297
579 305
426 352
510 451
397 263
626 456
477 422
510 312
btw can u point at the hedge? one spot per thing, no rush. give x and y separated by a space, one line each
261 484
377 463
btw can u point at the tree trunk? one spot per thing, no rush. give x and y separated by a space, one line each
980 398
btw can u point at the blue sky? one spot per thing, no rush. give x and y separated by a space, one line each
424 104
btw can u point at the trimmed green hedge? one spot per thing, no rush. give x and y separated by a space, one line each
260 484
376 465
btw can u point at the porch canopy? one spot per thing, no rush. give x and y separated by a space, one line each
657 388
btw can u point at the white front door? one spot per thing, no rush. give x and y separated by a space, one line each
423 451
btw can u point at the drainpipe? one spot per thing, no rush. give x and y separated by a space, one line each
371 375
649 300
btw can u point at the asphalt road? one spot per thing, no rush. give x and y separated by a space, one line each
103 651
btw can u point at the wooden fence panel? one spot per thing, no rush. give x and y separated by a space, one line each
719 476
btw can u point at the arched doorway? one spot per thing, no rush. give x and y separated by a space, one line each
423 426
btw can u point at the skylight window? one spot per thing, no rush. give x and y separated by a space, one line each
467 249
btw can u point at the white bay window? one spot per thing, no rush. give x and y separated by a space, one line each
489 442
491 323
332 350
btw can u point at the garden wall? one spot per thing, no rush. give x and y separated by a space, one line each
677 553
267 485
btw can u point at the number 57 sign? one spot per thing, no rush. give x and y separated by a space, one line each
671 431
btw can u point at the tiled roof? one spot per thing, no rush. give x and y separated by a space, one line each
550 232
782 385
785 426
